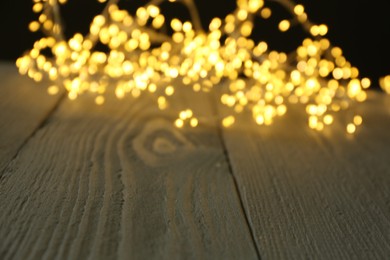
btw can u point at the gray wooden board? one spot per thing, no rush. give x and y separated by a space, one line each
312 195
24 106
118 181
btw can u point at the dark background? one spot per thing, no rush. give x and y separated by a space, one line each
360 27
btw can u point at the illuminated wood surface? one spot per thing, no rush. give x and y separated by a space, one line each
80 181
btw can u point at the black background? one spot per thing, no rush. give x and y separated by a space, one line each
360 27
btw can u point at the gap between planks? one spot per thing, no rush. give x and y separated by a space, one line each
316 195
214 100
134 186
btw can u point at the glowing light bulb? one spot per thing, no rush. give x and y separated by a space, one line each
385 84
284 25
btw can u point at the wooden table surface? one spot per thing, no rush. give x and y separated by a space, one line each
118 181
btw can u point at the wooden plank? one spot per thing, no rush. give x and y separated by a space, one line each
118 181
315 195
24 106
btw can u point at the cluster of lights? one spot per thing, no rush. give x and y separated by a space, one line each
144 58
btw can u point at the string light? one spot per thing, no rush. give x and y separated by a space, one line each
143 58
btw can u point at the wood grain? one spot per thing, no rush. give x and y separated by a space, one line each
118 181
315 195
24 106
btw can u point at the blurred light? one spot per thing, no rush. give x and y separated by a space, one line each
143 58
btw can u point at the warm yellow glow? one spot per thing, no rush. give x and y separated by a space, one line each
284 25
194 122
299 9
323 29
34 26
357 120
53 90
328 119
37 7
366 83
351 128
228 121
266 13
143 58
179 123
385 84
99 100
169 91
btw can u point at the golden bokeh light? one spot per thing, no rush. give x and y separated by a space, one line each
143 58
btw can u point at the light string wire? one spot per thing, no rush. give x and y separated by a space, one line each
143 58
